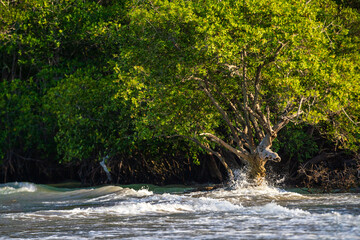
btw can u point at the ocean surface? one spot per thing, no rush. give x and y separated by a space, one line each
240 211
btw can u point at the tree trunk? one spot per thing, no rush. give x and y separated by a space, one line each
257 171
257 161
213 169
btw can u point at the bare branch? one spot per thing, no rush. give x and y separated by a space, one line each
268 118
256 108
285 120
244 140
289 107
238 115
299 109
219 108
234 70
241 153
260 67
5 5
218 155
247 129
257 83
222 160
262 120
356 123
238 119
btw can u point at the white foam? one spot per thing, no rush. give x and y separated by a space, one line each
278 210
112 193
243 210
156 204
165 203
240 187
17 187
343 218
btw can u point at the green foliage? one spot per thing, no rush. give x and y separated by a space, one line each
83 79
41 33
342 124
349 3
92 122
174 42
41 44
295 143
25 129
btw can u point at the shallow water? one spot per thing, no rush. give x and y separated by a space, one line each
30 211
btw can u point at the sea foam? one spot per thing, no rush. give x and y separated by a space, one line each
17 187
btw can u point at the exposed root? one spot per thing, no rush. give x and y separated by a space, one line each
320 176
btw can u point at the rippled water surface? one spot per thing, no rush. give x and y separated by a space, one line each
29 211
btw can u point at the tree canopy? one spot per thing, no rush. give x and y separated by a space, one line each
85 79
236 72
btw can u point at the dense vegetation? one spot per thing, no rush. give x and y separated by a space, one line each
176 91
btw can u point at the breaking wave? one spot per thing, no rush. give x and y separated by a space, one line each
241 209
11 188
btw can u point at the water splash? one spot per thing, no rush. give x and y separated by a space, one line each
16 187
241 180
242 191
115 212
241 184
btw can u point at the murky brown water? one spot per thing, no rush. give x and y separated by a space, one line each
29 211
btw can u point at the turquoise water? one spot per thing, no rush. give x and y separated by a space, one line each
30 211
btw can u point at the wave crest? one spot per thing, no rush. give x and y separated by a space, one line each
17 187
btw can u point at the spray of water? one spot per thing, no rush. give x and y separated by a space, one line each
17 187
241 190
241 180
